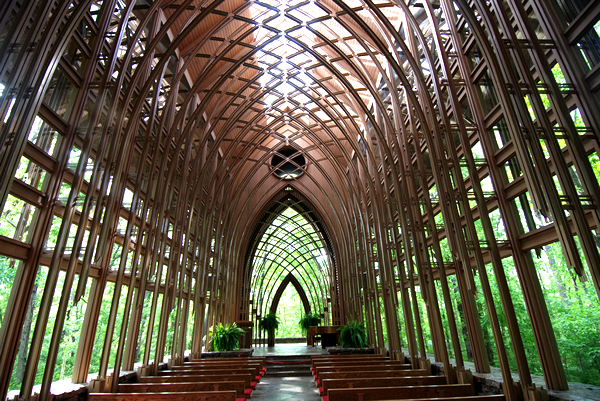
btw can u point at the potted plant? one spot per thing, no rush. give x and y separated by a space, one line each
353 335
308 320
226 337
270 323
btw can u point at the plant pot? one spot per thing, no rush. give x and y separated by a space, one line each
271 339
238 353
349 351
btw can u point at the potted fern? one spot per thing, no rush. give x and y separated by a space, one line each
308 320
270 323
353 335
226 337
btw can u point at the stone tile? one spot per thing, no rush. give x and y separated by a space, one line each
275 388
287 388
288 349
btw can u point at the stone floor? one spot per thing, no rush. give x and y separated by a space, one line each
276 388
288 349
290 388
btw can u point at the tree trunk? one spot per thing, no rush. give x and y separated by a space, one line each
24 341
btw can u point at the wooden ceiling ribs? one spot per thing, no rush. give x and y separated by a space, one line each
384 104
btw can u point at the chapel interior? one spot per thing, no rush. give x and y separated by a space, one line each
428 167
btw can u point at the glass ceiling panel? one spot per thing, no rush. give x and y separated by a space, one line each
284 62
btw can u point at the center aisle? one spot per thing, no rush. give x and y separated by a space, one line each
288 374
279 388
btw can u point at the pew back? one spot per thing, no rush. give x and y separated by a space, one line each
245 378
400 393
373 373
211 367
359 368
238 387
327 384
221 371
260 360
191 396
362 362
325 358
492 397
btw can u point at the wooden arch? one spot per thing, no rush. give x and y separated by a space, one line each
290 279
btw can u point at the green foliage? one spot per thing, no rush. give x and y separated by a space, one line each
289 311
16 218
269 323
291 244
575 314
353 335
309 319
107 298
226 337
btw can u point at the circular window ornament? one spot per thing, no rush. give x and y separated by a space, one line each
288 163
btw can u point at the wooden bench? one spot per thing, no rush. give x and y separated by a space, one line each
370 362
346 358
251 372
229 358
492 397
373 373
357 365
399 393
223 363
247 379
359 368
259 359
316 358
216 371
211 363
380 381
334 360
217 367
191 396
240 390
208 364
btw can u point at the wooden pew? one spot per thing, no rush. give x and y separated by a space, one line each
185 387
491 397
212 363
191 396
363 362
259 359
380 381
399 393
374 373
359 368
326 359
372 365
228 362
251 372
315 358
220 370
333 360
247 379
226 358
215 367
329 361
353 365
216 371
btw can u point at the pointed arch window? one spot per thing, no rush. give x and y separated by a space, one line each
291 248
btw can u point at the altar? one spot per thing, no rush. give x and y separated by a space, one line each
329 335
